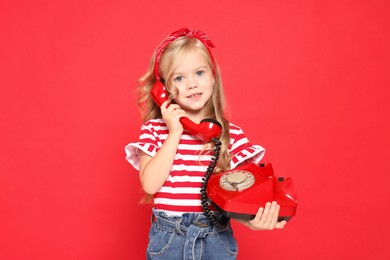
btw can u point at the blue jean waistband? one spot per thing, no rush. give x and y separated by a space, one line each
181 224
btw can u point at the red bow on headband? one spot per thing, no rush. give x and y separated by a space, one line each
177 34
192 33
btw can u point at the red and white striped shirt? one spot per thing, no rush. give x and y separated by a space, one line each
181 191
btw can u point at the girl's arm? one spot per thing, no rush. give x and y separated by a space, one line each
155 170
266 218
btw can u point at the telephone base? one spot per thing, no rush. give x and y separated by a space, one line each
242 216
240 192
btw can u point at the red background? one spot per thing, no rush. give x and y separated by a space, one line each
308 80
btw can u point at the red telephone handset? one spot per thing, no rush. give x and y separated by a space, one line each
207 129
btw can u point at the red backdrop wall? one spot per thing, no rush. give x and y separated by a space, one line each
308 80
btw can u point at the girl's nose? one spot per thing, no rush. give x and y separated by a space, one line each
192 84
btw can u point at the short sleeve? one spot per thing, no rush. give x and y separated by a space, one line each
241 148
148 143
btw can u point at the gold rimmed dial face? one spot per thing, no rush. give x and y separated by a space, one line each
237 180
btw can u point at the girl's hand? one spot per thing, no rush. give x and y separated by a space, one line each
171 114
267 218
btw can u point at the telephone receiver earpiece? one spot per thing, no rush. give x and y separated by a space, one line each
207 129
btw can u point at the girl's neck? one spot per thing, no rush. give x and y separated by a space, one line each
196 117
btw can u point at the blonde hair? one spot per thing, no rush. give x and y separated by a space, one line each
172 55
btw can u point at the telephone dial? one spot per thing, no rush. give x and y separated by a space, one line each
237 193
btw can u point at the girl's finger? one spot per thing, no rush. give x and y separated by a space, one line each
271 214
258 216
264 217
165 105
171 107
275 216
280 225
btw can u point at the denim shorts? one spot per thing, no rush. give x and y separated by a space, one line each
189 236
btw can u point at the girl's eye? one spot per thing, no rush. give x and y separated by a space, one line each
178 78
200 72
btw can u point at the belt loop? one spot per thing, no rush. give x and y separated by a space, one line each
177 226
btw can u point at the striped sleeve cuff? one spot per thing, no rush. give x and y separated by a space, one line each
133 153
253 153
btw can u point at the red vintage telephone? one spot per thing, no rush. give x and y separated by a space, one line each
240 192
237 193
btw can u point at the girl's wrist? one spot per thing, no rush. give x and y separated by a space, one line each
176 134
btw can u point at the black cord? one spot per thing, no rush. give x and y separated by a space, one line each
222 222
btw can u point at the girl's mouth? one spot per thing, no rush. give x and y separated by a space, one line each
195 96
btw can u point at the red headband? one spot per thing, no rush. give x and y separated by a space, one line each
201 36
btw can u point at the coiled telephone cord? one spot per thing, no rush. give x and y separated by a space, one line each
223 221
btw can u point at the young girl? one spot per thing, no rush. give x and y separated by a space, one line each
172 162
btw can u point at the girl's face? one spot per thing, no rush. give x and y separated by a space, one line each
193 78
